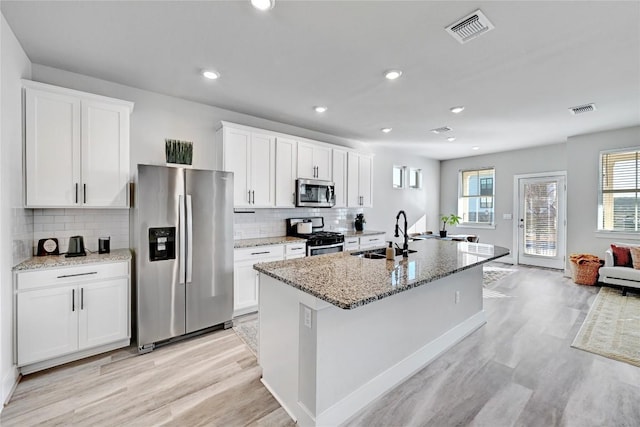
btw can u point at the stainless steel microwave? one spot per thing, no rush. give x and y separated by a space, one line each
315 193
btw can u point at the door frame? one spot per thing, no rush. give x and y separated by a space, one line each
515 253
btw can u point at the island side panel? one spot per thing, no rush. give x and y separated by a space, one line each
362 353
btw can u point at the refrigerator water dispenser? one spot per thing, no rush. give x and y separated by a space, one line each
162 243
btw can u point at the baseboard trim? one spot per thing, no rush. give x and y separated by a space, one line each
9 384
505 260
278 399
351 404
50 363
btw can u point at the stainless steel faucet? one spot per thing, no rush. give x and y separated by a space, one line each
405 245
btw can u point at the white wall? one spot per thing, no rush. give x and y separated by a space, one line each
387 201
16 223
547 158
579 157
582 188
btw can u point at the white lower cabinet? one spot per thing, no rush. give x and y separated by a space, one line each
246 280
351 243
373 241
71 310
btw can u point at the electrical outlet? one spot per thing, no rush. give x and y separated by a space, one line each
457 297
307 317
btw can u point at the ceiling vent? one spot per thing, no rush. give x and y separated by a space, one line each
586 108
443 129
470 27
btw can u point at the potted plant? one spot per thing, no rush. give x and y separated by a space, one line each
452 219
360 222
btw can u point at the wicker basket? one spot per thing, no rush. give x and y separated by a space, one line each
584 269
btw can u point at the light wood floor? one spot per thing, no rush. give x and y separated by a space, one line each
517 370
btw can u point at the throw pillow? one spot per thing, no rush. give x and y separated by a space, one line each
635 257
621 256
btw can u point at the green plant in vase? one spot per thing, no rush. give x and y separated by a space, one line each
452 219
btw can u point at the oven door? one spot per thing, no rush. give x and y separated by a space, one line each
315 193
327 249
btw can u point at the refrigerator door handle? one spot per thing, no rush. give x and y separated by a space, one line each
189 239
182 248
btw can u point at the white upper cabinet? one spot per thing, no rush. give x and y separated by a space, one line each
339 177
286 170
314 161
76 148
251 158
359 180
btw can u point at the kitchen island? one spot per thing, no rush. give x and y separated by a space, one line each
337 331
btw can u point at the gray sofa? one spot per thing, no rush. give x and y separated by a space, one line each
626 277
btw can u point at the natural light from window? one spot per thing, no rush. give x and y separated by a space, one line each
618 196
476 196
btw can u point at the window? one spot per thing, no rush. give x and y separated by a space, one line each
475 200
415 178
399 176
618 199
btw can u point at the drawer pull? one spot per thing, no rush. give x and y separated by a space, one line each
75 275
297 249
260 253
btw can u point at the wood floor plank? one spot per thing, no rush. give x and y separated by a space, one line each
517 370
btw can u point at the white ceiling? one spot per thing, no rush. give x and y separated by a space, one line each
516 81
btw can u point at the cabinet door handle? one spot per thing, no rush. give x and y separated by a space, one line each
78 274
249 196
84 191
73 300
76 192
81 298
294 197
253 197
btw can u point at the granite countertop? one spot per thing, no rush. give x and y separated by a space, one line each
53 261
353 233
265 241
349 282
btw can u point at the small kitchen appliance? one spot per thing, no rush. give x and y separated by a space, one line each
318 241
104 245
48 246
76 247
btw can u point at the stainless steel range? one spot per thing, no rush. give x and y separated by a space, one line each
318 241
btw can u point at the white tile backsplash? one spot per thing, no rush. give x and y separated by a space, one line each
89 223
271 222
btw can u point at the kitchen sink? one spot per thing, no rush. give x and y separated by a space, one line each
378 253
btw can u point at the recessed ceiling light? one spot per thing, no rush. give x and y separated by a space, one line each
263 4
386 130
320 109
475 147
212 75
392 74
456 110
451 138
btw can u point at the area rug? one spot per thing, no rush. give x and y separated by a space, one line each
491 275
248 332
612 327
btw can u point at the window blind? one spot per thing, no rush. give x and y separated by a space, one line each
618 201
475 201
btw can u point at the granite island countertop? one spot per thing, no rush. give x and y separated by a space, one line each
266 241
54 261
349 282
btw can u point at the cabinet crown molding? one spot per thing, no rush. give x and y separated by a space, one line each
77 93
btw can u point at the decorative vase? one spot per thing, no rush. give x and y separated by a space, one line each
443 233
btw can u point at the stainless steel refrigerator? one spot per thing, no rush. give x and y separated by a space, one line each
183 237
